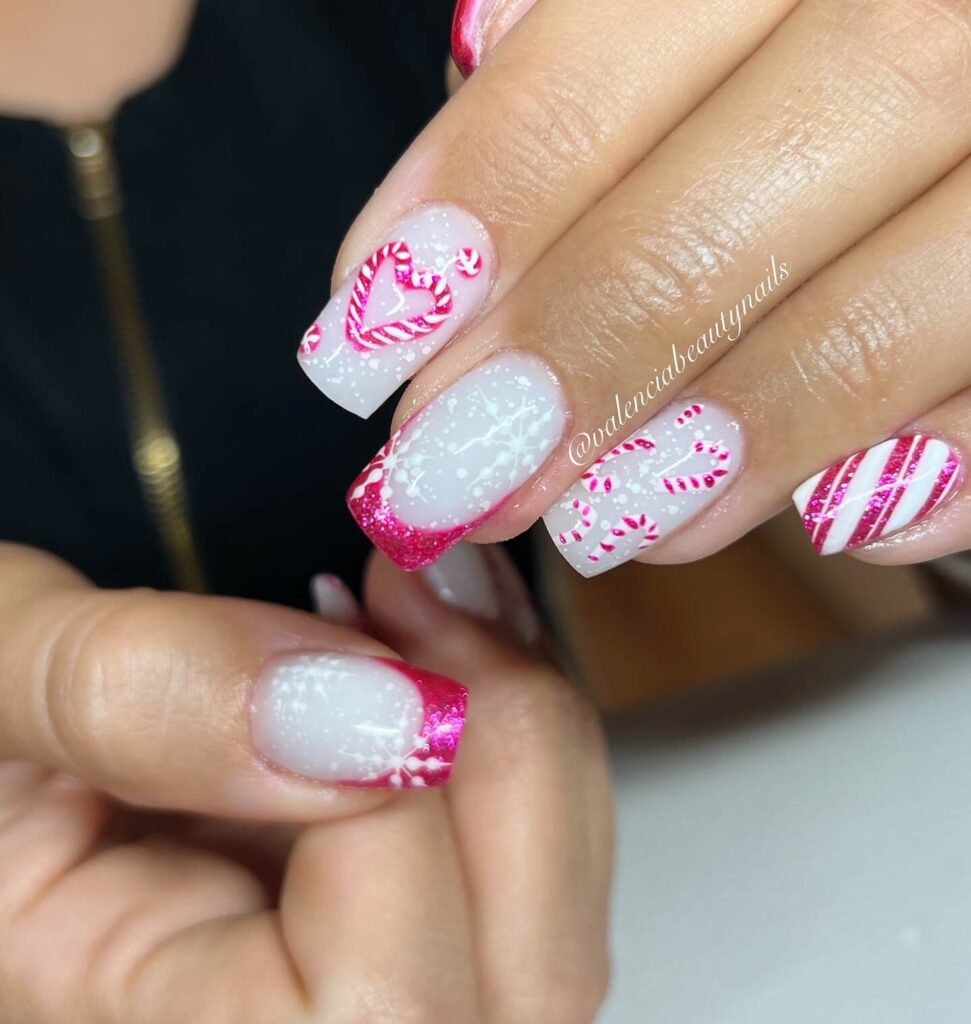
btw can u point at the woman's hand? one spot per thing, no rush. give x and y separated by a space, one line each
618 192
157 864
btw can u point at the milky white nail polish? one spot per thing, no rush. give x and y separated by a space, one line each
358 721
426 280
459 458
651 484
333 599
464 579
481 580
877 492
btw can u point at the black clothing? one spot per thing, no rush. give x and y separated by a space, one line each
241 171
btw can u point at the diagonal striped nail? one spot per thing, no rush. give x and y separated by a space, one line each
877 492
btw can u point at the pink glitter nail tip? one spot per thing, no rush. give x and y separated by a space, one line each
358 721
457 460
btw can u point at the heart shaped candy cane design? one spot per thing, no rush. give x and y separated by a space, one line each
410 278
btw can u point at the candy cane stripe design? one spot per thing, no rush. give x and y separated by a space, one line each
877 492
586 518
688 414
311 340
408 328
593 482
702 481
620 529
621 506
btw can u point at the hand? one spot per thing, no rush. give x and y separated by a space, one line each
617 193
157 866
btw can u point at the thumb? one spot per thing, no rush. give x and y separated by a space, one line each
205 704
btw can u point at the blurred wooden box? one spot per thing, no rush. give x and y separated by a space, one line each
642 631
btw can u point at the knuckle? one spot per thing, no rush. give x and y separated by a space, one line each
856 350
652 274
925 44
544 127
93 676
562 1001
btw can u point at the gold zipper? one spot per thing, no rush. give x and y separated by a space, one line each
155 449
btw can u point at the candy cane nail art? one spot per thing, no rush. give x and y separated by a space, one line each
647 486
459 458
401 305
877 492
358 721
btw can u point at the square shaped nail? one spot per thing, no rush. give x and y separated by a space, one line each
422 284
650 484
876 492
358 721
459 458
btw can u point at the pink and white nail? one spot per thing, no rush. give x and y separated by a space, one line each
649 485
358 721
477 27
877 492
457 460
428 278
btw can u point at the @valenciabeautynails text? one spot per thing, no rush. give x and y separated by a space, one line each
729 327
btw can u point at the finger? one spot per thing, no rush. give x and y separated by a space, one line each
205 704
466 212
861 353
748 198
375 915
531 805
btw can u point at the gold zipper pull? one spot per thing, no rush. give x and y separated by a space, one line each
155 451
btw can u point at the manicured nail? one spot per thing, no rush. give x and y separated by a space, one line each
657 480
478 26
333 599
358 721
428 278
481 580
877 492
456 461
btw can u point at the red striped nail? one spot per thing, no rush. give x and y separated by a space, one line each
877 492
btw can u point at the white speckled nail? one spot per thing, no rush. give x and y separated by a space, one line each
358 721
652 483
459 458
428 278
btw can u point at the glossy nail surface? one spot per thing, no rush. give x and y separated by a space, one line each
652 483
428 278
877 492
358 721
459 458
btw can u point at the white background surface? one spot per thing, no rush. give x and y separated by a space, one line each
807 860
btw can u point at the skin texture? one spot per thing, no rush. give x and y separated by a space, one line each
279 899
631 204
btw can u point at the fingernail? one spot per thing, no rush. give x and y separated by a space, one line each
397 309
481 580
653 483
456 461
877 492
477 27
358 721
333 599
